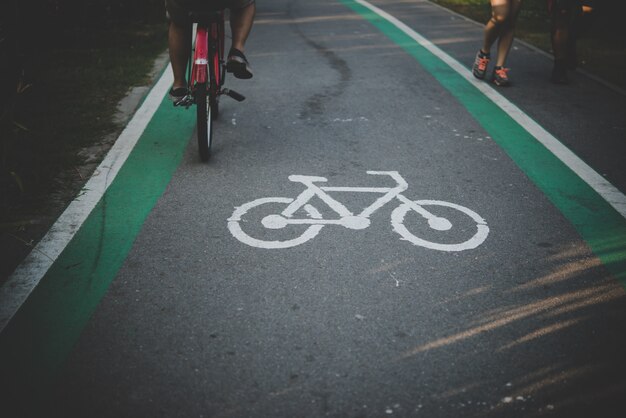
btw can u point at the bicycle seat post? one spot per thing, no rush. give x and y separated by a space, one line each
204 18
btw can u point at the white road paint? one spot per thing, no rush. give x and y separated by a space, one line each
397 221
235 228
347 219
346 120
30 272
605 189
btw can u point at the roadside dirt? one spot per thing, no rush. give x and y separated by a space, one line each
19 238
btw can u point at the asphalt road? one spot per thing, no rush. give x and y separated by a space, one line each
202 321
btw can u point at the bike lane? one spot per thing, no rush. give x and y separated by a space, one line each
196 312
599 223
42 332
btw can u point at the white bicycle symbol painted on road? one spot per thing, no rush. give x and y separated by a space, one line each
347 219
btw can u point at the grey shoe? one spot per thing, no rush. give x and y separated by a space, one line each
479 69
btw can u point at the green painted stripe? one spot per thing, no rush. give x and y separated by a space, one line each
598 223
35 343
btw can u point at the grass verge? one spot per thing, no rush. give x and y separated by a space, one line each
61 123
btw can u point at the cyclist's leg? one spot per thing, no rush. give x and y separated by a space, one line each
242 14
179 49
179 40
241 20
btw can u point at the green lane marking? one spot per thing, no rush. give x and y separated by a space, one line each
598 223
35 343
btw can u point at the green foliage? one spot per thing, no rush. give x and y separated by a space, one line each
64 65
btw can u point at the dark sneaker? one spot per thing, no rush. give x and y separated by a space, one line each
480 65
559 73
238 64
500 77
178 95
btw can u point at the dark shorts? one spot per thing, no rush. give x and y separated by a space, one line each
178 10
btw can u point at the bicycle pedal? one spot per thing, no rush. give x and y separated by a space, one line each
185 102
233 94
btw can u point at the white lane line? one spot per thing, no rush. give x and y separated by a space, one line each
605 189
30 272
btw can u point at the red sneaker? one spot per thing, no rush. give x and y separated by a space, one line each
500 77
480 65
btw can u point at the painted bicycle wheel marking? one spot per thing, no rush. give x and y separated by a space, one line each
315 222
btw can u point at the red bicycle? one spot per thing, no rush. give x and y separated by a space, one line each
206 74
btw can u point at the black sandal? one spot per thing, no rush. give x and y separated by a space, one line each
238 64
178 95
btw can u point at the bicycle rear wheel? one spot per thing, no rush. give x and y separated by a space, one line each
215 107
205 120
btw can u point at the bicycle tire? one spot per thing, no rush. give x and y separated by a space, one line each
397 222
205 119
235 224
215 108
216 59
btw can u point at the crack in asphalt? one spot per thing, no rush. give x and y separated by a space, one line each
313 107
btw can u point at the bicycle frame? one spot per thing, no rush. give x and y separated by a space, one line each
313 190
314 221
206 74
205 67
